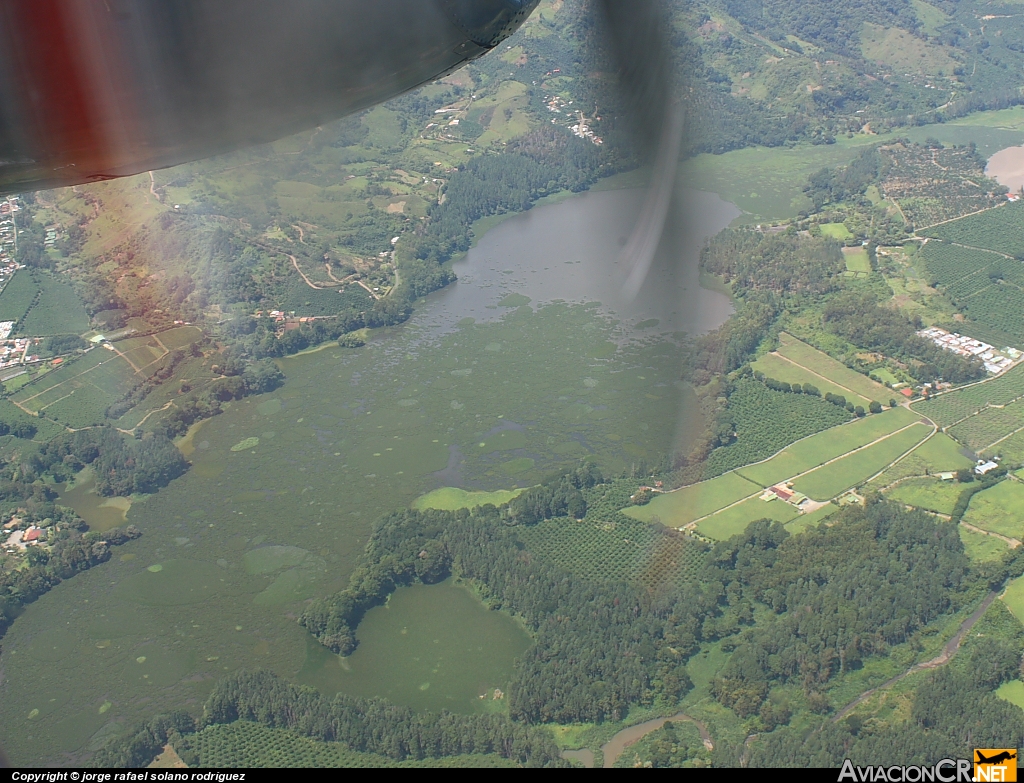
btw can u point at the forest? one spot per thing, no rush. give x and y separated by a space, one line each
371 726
951 712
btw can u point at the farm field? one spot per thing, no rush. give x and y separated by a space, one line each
930 494
980 547
857 260
823 364
95 381
17 296
989 426
1012 448
951 407
999 509
776 367
806 521
619 549
938 454
820 448
831 480
179 337
675 509
1000 229
733 521
1013 597
58 310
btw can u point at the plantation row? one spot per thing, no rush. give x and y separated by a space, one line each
766 421
616 549
985 285
950 408
989 426
1000 229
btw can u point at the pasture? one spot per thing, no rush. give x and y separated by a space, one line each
837 231
807 521
824 365
981 548
831 480
936 455
1013 692
857 260
733 521
820 448
678 508
999 509
930 494
1013 597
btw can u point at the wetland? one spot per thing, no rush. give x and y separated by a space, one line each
512 374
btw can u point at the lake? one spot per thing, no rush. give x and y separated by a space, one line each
481 390
450 649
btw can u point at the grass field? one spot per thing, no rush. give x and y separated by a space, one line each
733 521
823 364
857 260
58 311
17 296
1012 692
836 231
681 507
179 337
928 493
831 480
1013 597
999 509
982 548
452 499
820 448
807 521
776 367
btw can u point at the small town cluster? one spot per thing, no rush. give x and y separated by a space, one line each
996 361
15 352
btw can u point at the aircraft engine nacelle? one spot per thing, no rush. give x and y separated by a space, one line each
96 89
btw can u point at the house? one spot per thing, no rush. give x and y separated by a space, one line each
947 475
32 535
908 392
782 493
984 467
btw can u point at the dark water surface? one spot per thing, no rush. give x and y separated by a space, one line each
284 488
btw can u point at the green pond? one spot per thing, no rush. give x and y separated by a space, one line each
282 494
450 651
